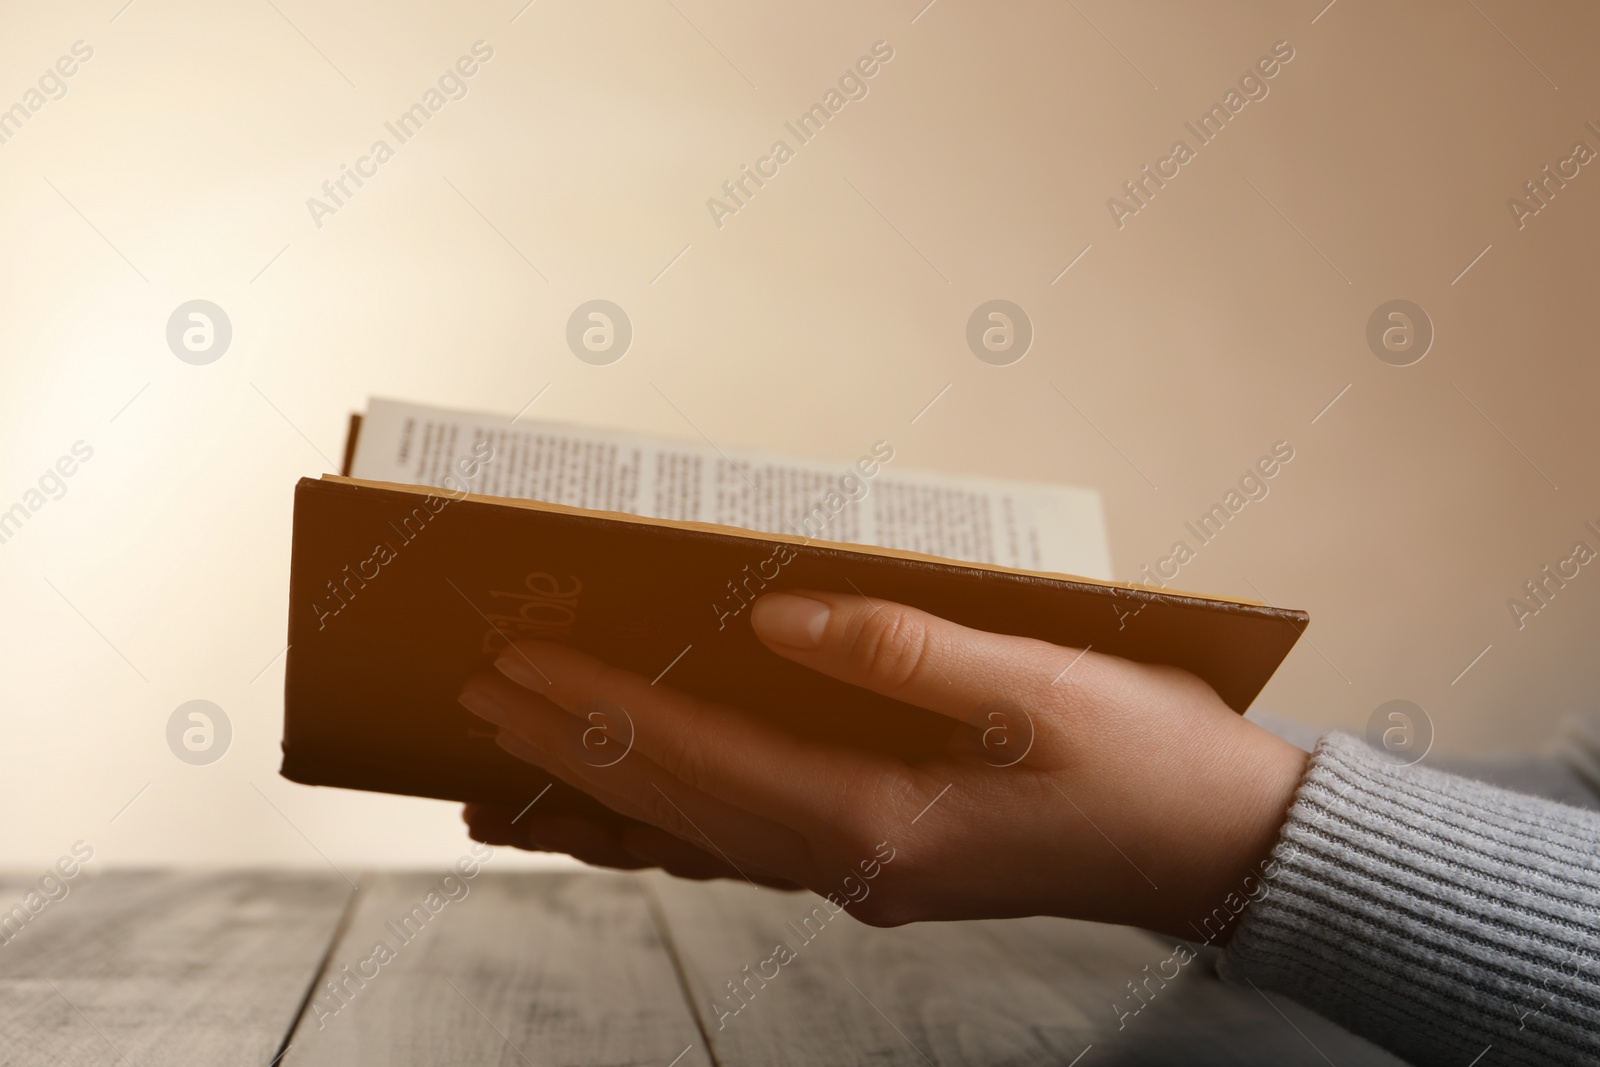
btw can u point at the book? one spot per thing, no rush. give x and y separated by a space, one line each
450 534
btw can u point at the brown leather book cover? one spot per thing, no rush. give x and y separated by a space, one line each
398 593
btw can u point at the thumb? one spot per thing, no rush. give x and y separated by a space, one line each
907 654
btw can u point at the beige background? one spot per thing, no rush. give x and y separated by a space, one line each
824 315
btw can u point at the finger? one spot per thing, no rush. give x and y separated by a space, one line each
723 752
734 843
633 846
580 838
534 730
492 826
910 655
661 849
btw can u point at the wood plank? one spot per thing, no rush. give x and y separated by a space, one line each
1017 992
162 968
536 968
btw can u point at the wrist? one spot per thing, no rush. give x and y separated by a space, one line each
1261 774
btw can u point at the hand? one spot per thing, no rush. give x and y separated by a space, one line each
1142 799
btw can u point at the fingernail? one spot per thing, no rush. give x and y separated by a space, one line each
517 747
516 666
786 619
483 707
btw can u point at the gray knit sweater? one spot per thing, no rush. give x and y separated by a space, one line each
1440 917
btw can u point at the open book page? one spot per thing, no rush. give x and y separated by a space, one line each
868 500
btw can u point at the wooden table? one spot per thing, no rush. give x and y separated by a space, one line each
157 968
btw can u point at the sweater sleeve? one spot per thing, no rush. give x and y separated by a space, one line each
1439 917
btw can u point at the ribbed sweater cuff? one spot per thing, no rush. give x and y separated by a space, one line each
1434 915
